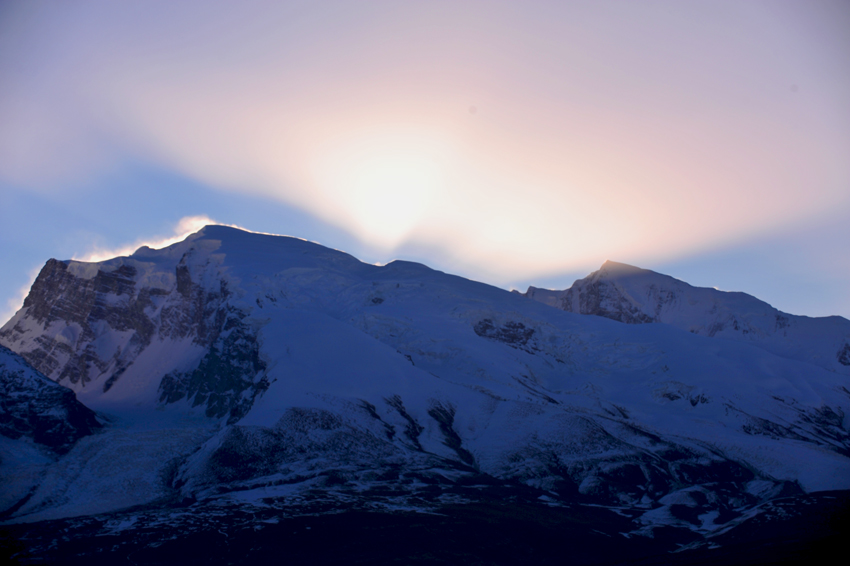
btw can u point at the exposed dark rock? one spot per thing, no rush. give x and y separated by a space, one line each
228 377
302 435
844 355
244 453
511 333
109 296
598 298
445 416
32 405
823 426
373 412
413 428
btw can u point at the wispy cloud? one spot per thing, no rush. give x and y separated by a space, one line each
519 140
185 226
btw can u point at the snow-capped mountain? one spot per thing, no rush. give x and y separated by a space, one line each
265 373
637 296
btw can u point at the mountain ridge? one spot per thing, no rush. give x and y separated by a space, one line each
270 373
634 295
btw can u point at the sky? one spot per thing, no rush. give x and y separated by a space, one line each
515 143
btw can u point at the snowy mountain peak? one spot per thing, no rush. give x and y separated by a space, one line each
613 268
633 295
630 276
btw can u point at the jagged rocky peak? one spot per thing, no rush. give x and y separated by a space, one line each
92 326
34 407
617 291
632 295
175 325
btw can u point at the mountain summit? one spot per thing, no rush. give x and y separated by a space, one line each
638 296
266 374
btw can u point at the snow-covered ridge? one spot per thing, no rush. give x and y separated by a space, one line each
636 296
285 363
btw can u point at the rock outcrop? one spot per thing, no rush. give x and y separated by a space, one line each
34 407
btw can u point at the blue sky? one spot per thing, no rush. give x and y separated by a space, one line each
510 143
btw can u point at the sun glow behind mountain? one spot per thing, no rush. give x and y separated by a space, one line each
501 141
383 184
182 229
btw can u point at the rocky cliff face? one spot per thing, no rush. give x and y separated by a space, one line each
85 326
79 305
638 296
33 407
